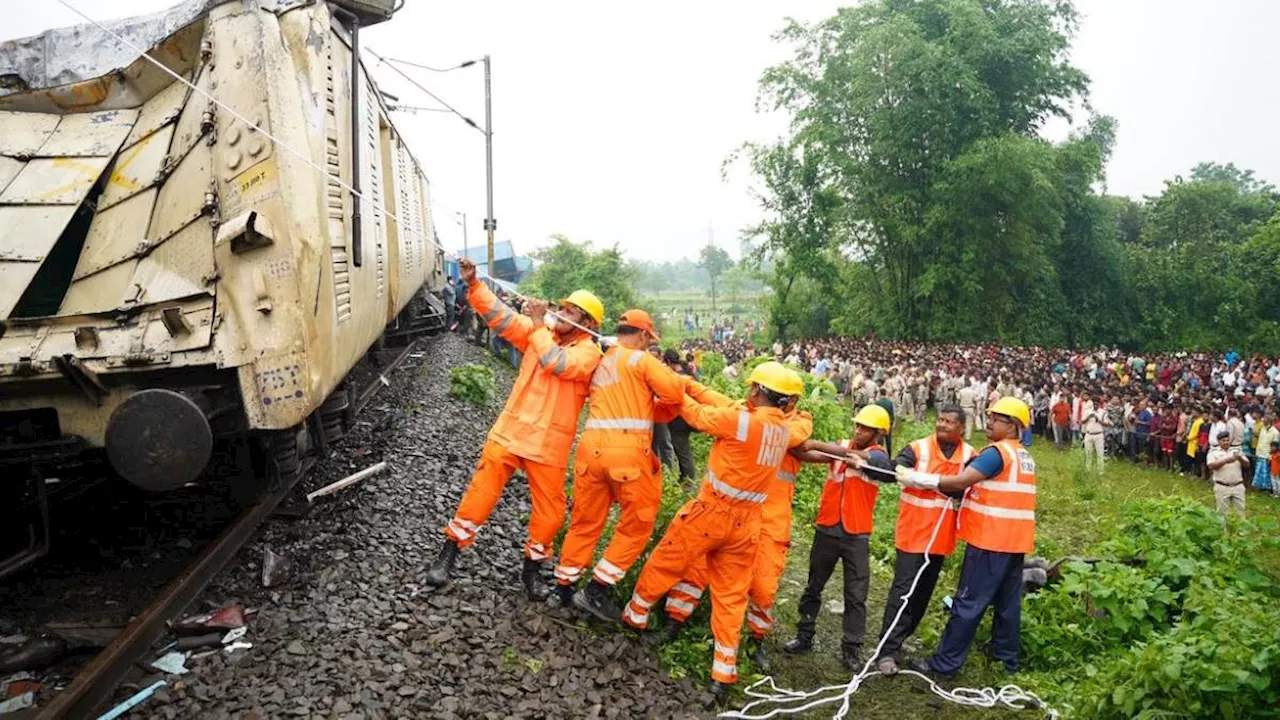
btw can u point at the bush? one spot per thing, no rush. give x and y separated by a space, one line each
473 383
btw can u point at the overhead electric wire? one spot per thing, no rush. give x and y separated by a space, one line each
419 85
459 66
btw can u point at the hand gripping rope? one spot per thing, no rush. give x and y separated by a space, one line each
787 701
297 154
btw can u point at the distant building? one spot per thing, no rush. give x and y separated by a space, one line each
507 265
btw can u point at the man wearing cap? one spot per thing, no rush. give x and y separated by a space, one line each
844 533
998 521
536 428
616 463
1225 462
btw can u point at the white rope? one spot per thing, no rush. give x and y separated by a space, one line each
1010 696
298 154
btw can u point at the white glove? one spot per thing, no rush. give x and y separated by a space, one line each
916 479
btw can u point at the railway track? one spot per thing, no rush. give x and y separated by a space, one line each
93 686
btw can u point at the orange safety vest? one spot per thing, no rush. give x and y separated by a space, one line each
747 453
999 514
541 415
848 497
776 522
918 509
621 404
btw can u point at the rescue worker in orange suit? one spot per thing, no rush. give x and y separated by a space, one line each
616 463
998 522
536 428
944 453
771 557
843 535
722 524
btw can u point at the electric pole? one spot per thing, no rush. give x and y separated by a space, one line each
490 223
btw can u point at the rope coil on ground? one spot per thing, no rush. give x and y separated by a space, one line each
1010 696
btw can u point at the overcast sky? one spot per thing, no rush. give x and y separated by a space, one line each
612 119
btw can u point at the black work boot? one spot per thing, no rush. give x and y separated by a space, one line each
851 657
442 567
755 651
531 577
801 643
670 631
718 692
594 598
562 596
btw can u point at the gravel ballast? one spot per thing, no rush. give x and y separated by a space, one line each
353 633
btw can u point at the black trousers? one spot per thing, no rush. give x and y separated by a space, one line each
684 453
662 444
854 552
904 572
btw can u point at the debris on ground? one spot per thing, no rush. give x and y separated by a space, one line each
35 653
276 568
20 702
347 481
135 700
227 618
171 663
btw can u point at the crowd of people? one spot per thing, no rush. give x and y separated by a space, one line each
1166 410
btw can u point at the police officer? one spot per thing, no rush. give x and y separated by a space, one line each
998 521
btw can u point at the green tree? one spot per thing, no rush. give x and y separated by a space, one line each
715 261
567 266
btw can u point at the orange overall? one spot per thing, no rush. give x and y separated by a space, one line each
615 463
722 525
771 556
536 428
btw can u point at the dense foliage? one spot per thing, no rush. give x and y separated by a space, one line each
1176 620
915 197
473 383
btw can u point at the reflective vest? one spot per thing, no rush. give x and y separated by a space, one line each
621 402
747 453
776 522
999 514
848 497
918 509
540 418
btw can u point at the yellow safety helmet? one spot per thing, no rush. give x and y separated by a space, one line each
589 303
776 377
873 416
1014 408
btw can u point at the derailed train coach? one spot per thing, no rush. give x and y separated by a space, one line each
170 277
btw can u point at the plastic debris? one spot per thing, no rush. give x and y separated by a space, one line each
133 701
275 568
346 481
173 663
237 646
21 702
234 635
835 606
227 618
19 687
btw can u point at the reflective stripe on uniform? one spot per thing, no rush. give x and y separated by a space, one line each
635 358
640 619
1013 487
758 622
724 669
463 529
726 650
743 423
639 601
680 605
618 424
537 551
687 589
1000 512
557 356
568 573
918 501
733 492
606 570
506 322
786 476
494 312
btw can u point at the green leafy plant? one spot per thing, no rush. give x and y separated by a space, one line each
473 383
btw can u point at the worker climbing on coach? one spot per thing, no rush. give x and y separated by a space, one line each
998 522
722 524
536 428
918 530
771 557
843 535
615 463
